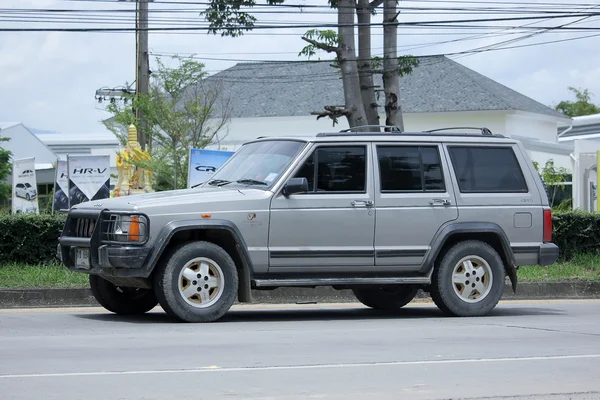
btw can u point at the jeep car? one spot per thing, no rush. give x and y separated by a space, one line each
450 212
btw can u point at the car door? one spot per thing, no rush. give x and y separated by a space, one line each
414 197
332 226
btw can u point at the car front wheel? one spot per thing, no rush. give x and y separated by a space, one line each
469 280
197 283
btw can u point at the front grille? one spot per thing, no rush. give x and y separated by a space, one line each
84 227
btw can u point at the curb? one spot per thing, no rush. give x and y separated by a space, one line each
82 297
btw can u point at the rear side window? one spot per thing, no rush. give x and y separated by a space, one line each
410 169
487 170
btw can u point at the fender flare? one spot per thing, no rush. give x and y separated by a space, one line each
457 228
166 234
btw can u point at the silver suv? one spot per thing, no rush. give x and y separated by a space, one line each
382 214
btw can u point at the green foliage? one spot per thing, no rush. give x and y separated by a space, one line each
554 177
179 113
326 38
29 238
5 170
229 17
582 106
576 232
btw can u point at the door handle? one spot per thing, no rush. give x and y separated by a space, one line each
366 203
444 202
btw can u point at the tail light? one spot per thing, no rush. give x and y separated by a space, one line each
547 225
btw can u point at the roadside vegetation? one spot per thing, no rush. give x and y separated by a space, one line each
22 276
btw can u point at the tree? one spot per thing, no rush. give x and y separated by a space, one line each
582 106
181 111
5 170
228 17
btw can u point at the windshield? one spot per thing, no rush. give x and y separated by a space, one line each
257 164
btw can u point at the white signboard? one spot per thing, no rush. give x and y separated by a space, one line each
204 163
24 190
89 178
60 200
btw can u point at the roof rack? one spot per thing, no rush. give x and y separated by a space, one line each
393 128
484 131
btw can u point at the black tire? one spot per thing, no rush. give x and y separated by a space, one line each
122 300
27 197
443 289
386 298
167 281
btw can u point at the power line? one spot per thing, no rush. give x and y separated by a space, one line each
442 23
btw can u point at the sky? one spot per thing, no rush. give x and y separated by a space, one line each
48 79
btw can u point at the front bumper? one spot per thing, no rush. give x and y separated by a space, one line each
90 250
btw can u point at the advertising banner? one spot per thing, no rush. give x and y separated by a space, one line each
24 190
203 164
89 178
60 200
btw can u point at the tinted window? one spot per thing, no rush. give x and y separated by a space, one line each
410 168
487 169
336 169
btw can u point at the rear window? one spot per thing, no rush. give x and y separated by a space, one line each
487 169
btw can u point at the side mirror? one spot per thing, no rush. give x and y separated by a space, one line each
295 185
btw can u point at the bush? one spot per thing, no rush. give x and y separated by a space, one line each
32 239
576 232
29 238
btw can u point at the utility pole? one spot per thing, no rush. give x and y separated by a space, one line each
143 65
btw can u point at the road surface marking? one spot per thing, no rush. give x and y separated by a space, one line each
216 369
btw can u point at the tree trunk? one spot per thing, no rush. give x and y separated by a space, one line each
391 81
367 87
347 60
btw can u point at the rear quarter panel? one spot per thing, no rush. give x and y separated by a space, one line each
520 214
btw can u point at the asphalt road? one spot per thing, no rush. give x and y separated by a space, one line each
531 350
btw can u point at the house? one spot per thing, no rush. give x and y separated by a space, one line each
277 98
23 143
63 144
583 133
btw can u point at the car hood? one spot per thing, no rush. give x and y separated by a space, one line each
172 199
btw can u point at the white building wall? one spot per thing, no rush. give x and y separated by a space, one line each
533 126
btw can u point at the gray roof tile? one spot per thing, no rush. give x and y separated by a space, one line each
297 88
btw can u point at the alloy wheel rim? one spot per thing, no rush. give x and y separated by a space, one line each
201 282
472 279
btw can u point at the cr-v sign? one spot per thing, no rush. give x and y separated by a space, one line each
205 168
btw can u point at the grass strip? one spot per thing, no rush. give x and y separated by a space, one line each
584 267
40 276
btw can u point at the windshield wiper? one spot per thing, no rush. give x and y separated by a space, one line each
252 182
218 182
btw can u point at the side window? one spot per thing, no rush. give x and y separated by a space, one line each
487 169
410 169
336 169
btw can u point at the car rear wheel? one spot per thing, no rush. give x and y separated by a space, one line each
469 280
197 283
122 300
386 298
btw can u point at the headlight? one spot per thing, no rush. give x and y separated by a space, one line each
129 228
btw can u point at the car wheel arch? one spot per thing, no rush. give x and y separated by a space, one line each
220 232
